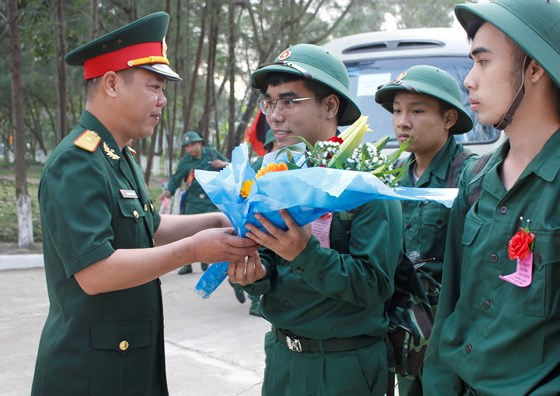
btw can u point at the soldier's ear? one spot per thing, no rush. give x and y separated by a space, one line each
109 83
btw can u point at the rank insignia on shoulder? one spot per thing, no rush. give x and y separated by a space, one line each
89 141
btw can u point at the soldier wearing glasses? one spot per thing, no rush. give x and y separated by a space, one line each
323 294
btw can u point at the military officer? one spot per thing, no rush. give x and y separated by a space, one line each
104 245
324 294
498 324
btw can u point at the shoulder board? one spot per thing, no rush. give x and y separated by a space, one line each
89 141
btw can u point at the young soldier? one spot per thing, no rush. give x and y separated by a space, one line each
498 320
427 113
325 298
104 330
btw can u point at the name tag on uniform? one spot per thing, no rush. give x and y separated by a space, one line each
129 194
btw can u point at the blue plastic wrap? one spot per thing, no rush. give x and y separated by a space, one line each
211 279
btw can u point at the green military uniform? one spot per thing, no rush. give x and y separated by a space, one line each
197 200
336 293
110 343
425 222
93 201
486 329
492 337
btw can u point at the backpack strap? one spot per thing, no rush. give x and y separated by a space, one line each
476 189
456 166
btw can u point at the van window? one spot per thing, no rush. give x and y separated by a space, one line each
367 75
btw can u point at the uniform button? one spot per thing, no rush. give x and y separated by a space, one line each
503 209
286 303
135 214
494 258
145 207
123 345
152 207
486 304
299 270
439 221
408 226
468 348
538 257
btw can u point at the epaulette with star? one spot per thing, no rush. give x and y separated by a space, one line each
89 141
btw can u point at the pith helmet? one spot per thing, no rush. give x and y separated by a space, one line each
138 44
532 24
431 81
191 137
314 63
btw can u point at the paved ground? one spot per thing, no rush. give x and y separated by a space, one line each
214 347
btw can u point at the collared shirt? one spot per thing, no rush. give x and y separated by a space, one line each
425 222
339 291
93 203
499 338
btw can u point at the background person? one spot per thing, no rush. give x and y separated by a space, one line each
497 325
104 330
324 298
196 156
427 112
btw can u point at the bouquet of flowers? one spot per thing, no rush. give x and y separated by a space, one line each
309 181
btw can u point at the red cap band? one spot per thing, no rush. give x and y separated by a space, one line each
118 60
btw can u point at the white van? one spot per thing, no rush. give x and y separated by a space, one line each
375 58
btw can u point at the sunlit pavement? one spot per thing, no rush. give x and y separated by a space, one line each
213 346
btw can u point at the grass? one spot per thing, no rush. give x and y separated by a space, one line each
8 214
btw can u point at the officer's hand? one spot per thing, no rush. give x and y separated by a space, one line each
221 244
287 244
247 270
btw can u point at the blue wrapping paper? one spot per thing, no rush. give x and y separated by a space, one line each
306 194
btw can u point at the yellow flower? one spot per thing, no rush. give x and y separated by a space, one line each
246 188
272 167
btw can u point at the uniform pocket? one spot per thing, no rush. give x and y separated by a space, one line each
120 358
130 223
542 296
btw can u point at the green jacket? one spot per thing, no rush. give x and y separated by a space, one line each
499 338
93 203
334 292
341 291
425 222
197 201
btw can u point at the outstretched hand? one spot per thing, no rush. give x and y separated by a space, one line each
287 244
221 244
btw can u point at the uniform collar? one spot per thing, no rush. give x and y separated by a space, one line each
547 162
108 144
438 166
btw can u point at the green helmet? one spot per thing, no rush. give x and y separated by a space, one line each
191 137
431 81
314 63
532 24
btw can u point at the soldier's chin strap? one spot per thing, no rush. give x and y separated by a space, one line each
508 116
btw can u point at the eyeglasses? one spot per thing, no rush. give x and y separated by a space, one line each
285 106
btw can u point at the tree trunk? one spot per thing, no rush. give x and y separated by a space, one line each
60 51
25 224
